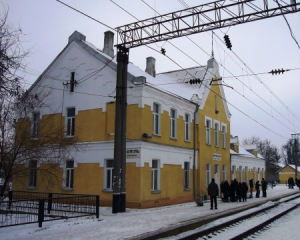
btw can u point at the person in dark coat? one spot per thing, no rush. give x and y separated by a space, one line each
244 191
239 189
222 190
232 191
251 188
264 187
257 185
226 190
213 192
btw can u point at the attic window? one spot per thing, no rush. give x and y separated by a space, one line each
72 82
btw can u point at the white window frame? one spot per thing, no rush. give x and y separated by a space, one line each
70 122
32 174
241 173
224 172
233 172
155 175
35 125
156 118
224 132
173 123
69 174
186 175
187 127
208 125
216 130
246 174
208 174
254 175
108 174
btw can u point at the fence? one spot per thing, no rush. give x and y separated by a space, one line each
38 207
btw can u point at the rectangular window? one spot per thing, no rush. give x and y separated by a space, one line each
69 174
35 125
32 167
70 121
208 126
187 127
224 136
224 172
233 172
208 176
186 175
109 166
247 177
156 118
173 123
254 175
241 173
155 176
72 82
216 134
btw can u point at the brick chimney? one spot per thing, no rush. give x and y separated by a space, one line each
150 66
109 43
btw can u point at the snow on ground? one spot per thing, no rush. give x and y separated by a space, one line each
132 223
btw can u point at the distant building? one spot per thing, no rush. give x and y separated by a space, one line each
246 163
288 171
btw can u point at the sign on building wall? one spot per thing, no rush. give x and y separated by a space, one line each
216 157
133 153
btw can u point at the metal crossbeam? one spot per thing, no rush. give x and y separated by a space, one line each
198 19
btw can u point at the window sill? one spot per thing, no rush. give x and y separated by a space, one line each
31 187
189 141
216 146
34 138
67 189
208 144
68 136
155 134
155 191
107 190
173 138
187 189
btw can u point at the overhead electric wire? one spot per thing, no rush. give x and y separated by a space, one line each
210 88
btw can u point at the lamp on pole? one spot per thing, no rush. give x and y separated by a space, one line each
295 137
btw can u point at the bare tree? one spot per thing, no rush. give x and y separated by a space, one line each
265 148
25 138
289 150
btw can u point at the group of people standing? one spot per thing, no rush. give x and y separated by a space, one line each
235 191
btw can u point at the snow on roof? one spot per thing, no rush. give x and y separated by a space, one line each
245 153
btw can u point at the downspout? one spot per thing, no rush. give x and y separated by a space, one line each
194 160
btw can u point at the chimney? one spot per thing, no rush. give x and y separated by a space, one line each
108 48
150 66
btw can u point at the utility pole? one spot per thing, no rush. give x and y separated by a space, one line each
295 152
119 170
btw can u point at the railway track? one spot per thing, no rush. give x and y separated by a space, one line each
245 225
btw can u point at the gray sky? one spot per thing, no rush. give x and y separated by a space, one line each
262 105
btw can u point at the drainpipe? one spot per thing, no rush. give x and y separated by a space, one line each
194 160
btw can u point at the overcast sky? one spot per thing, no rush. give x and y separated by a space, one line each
261 105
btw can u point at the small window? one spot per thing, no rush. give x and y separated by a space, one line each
72 82
224 172
156 118
208 175
224 136
70 121
216 134
35 125
187 127
173 123
69 174
155 176
208 126
32 168
186 175
109 166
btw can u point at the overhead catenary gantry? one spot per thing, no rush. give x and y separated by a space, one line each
206 17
